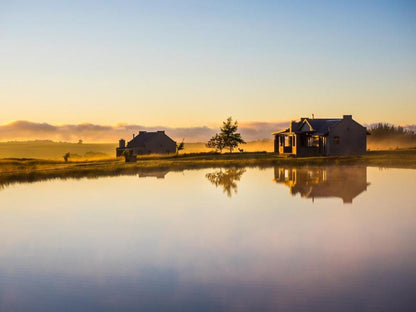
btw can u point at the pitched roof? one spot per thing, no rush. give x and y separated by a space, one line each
143 137
321 126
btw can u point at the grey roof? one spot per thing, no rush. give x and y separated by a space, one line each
143 137
321 126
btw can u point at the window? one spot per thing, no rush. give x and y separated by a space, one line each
336 139
314 141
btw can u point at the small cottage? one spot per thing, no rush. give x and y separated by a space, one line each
322 136
148 143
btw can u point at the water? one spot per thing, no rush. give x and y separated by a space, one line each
275 239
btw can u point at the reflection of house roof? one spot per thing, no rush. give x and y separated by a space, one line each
153 174
342 182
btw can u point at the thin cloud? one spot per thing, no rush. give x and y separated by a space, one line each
88 132
27 130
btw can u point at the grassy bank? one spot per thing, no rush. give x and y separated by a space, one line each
14 170
44 149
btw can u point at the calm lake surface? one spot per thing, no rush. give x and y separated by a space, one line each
275 239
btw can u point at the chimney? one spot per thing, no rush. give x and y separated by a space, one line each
347 116
292 123
161 131
313 116
133 135
121 143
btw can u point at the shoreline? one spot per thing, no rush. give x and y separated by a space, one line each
14 170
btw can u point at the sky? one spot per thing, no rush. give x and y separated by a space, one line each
194 63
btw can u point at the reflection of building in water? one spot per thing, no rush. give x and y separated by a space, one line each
153 174
317 182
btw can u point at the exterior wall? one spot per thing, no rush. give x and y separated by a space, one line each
119 151
307 151
140 151
160 143
303 150
351 138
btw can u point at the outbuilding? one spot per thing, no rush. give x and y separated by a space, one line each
148 143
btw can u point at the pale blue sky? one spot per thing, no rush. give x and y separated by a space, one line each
187 63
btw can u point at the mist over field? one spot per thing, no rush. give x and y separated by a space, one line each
93 133
43 149
387 136
386 144
24 139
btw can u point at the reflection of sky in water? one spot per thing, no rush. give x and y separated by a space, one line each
181 244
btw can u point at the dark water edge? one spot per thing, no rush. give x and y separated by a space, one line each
163 291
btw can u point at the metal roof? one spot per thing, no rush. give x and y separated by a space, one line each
321 126
143 137
317 126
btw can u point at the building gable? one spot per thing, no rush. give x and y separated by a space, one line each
306 127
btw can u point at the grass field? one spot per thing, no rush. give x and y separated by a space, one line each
29 170
91 151
54 150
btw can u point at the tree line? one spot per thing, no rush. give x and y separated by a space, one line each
386 130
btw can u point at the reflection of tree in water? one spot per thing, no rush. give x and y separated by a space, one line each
227 179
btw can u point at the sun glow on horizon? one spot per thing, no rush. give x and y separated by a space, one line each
194 66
